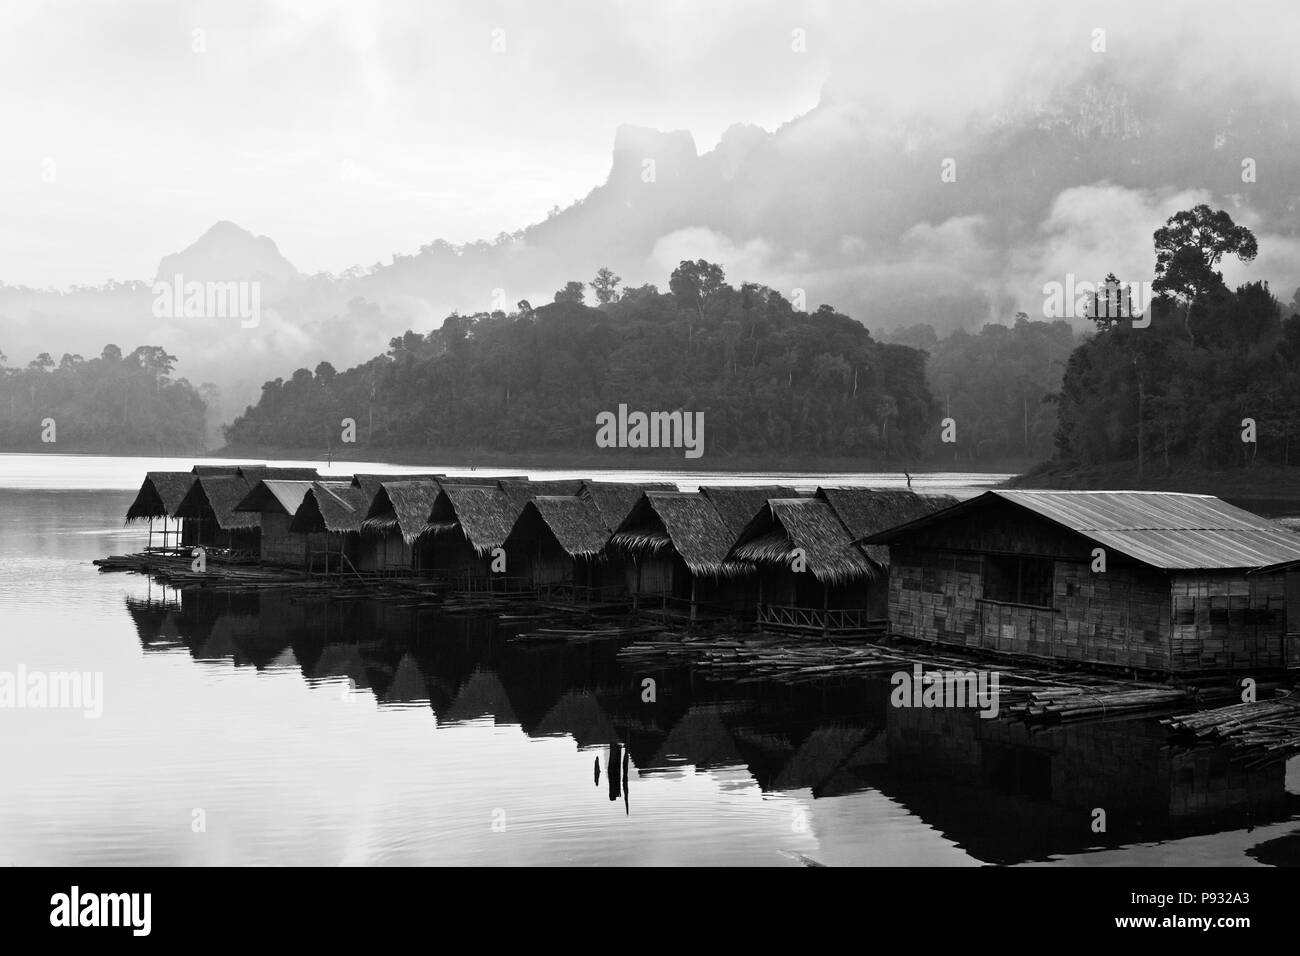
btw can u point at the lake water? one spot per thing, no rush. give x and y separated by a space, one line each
266 728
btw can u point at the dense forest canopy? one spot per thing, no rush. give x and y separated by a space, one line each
995 385
768 378
1184 383
1212 380
113 403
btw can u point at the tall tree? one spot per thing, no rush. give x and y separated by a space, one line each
605 286
1188 248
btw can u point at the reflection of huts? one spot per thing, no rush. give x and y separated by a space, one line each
330 517
701 738
826 759
677 546
482 695
1150 580
578 714
812 577
559 540
159 497
275 502
211 520
341 661
408 685
398 515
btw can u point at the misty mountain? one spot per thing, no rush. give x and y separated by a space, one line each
836 206
227 252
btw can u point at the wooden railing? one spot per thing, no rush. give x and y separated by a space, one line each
503 584
837 620
581 593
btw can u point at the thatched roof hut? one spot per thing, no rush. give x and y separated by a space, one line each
811 526
370 483
402 506
738 504
574 524
521 492
273 496
482 515
160 494
254 473
866 511
215 497
334 506
668 522
614 499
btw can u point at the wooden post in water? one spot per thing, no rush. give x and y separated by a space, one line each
611 771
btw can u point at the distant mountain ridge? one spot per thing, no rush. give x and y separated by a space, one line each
838 204
227 251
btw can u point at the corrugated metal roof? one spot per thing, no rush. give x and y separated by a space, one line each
1167 530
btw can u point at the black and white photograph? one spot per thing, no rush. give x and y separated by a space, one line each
651 434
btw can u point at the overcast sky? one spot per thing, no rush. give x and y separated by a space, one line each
350 131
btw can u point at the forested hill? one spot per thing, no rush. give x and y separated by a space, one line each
769 379
115 403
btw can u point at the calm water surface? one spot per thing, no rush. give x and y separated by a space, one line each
305 731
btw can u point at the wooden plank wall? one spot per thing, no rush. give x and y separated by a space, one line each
1228 621
1120 617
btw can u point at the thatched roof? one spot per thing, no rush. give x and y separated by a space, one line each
573 522
810 525
253 472
369 483
218 495
737 504
160 494
273 496
521 492
484 515
688 524
866 511
256 473
614 499
402 506
330 506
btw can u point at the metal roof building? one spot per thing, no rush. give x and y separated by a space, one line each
1162 529
1150 580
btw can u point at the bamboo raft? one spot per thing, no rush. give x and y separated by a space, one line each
547 635
1262 732
1039 697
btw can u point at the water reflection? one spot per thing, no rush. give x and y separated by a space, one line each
1001 792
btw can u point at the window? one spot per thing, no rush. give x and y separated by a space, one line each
1011 579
